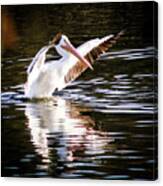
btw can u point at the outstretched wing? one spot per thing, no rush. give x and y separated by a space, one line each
100 47
39 59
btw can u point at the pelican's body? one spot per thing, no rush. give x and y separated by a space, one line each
45 78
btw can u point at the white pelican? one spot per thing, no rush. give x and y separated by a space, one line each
45 78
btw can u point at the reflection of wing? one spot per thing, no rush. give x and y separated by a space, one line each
91 50
57 116
62 121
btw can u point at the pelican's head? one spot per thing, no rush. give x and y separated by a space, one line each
64 48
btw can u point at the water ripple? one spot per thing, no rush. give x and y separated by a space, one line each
101 126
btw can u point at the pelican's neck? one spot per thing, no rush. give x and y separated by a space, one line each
65 56
62 52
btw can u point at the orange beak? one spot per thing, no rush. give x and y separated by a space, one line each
69 47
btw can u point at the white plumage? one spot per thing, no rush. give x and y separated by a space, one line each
44 78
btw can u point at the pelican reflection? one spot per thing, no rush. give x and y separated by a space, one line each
62 125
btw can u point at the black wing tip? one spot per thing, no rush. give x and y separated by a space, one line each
122 32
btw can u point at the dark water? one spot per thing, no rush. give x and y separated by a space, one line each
104 125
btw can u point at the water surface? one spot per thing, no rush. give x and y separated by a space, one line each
103 126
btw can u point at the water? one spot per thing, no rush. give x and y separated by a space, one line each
103 126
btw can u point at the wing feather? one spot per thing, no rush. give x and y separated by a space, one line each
91 56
